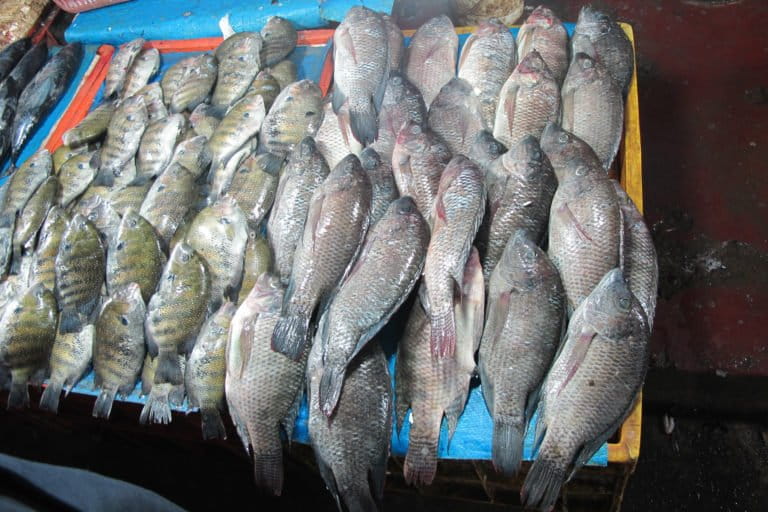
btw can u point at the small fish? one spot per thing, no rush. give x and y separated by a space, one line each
383 187
174 76
64 153
193 155
296 113
196 84
266 86
70 359
239 62
456 115
43 266
544 32
258 259
168 200
284 72
31 219
130 196
485 150
241 123
12 54
99 211
430 59
120 64
402 103
254 188
92 127
279 39
203 121
153 100
122 141
157 144
75 177
144 67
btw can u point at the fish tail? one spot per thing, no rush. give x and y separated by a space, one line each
442 338
543 483
330 390
507 446
49 401
157 409
363 122
213 427
420 463
359 498
18 397
70 321
105 178
168 369
268 470
290 335
16 260
103 406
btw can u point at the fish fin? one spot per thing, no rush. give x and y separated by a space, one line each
330 389
541 428
226 27
454 410
338 98
543 484
507 446
168 369
377 474
70 321
442 337
212 425
576 356
18 396
49 401
87 308
507 113
420 463
364 122
358 498
378 94
157 409
242 432
103 406
268 469
402 400
498 309
328 477
290 335
15 260
486 385
289 420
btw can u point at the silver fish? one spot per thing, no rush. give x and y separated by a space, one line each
242 122
239 62
196 85
402 103
544 32
157 144
456 115
121 62
168 200
430 59
123 138
144 67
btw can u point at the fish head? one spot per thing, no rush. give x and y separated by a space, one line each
485 148
612 309
526 158
490 27
568 153
584 69
134 112
182 254
524 263
581 43
266 296
128 305
370 159
228 213
593 23
133 45
532 69
413 137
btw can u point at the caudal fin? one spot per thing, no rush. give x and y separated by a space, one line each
420 463
213 427
543 483
50 399
507 447
330 390
16 260
268 470
290 335
364 123
103 406
442 337
168 369
358 498
157 409
18 397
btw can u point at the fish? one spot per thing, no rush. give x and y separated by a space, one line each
337 220
154 101
254 187
266 86
118 347
360 68
205 371
144 67
402 103
436 387
75 177
544 32
28 66
284 72
218 234
529 100
520 185
12 54
430 59
383 187
79 268
64 153
610 43
334 139
193 155
9 290
395 42
43 266
593 107
485 150
590 388
175 394
85 202
304 171
279 38
392 257
9 99
203 121
263 388
31 219
241 123
239 62
456 216
354 473
257 260
70 359
92 127
418 161
121 63
130 196
123 139
487 59
42 94
219 178
168 200
174 76
525 317
99 211
157 144
456 116
295 114
27 332
196 85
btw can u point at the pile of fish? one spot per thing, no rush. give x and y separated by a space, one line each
231 236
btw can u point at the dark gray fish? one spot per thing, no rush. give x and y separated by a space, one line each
544 32
485 150
12 54
9 98
279 39
29 65
383 186
456 116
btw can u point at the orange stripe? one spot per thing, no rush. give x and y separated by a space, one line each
305 38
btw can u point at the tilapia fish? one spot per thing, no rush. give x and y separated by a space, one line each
526 310
144 67
29 65
456 116
402 103
9 98
334 139
205 371
258 259
383 187
79 268
303 173
31 218
130 196
242 122
75 177
456 216
168 200
70 358
353 472
430 59
254 186
529 100
585 219
64 153
157 144
174 76
488 57
263 388
395 43
544 32
196 84
485 150
118 347
43 265
239 62
361 64
418 161
193 155
391 259
121 62
154 101
99 211
266 86
590 388
436 387
279 39
336 223
593 107
203 121
11 54
123 138
284 72
92 127
295 114
27 331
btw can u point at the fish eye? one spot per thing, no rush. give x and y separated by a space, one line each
310 113
225 220
185 257
81 165
123 320
563 138
67 246
536 155
120 246
160 188
581 170
416 129
130 117
247 115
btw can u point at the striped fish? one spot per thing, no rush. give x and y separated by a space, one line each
157 144
51 233
31 218
70 358
146 65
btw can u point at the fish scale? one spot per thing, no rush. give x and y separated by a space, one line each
123 138
456 116
153 100
383 187
43 266
334 139
402 102
295 114
430 59
242 122
545 33
254 188
92 127
70 358
257 260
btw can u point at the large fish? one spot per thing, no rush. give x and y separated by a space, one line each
31 219
70 359
75 176
122 141
430 59
590 388
43 265
196 84
456 116
456 217
337 220
12 54
383 186
395 43
402 103
9 99
257 260
157 144
120 64
279 39
544 32
390 263
254 187
239 62
92 127
295 114
168 200
485 150
263 388
144 67
29 65
242 122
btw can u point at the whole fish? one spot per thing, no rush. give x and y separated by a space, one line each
279 39
456 217
296 113
239 62
31 219
157 144
43 93
354 473
485 150
12 54
456 115
488 57
118 347
27 331
257 260
75 177
529 100
395 43
206 369
593 107
120 64
303 173
29 65
130 196
544 32
392 259
254 187
418 161
526 310
611 44
585 218
590 388
174 76
79 268
9 99
64 153
266 86
99 211
203 121
193 155
43 267
336 223
219 234
242 122
334 139
383 187
361 65
196 84
136 257
437 387
263 388
520 188
92 127
168 200
123 138
153 100
144 67
285 72
70 359
430 59
402 103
